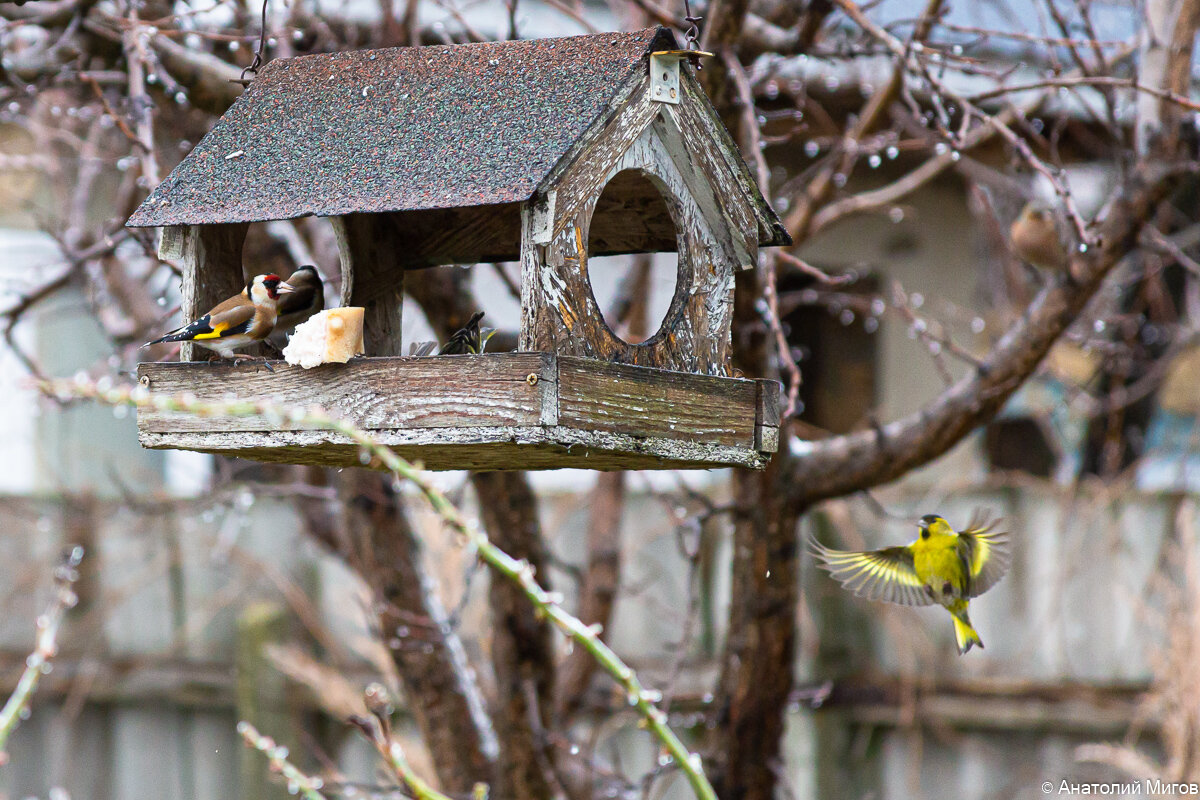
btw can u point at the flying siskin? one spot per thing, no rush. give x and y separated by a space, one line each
939 566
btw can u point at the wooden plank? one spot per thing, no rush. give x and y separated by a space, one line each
698 113
646 402
719 195
211 260
372 278
458 235
767 416
495 411
505 448
374 393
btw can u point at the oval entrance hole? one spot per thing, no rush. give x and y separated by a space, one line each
632 288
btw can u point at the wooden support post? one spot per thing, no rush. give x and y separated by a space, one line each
211 259
372 277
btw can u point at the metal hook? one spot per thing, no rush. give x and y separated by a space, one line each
258 54
693 31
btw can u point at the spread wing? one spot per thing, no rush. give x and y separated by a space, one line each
986 553
885 574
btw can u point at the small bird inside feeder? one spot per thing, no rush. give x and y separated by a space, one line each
306 299
467 340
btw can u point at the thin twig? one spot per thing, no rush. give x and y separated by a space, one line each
38 664
770 291
378 729
813 272
1094 80
298 782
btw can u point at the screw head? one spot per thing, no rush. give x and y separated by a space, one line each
532 379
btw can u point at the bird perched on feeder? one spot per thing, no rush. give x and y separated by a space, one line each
240 321
940 566
469 339
307 298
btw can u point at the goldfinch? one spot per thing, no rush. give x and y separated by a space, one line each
940 566
307 298
240 321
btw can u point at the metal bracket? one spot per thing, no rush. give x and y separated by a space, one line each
664 77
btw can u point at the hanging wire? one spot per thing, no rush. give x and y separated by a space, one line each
693 31
262 47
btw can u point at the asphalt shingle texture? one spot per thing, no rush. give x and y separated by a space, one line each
399 129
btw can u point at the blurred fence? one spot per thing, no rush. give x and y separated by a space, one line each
182 601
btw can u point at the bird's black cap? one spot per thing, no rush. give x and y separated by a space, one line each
929 519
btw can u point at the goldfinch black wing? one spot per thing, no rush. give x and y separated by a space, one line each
986 554
885 574
229 322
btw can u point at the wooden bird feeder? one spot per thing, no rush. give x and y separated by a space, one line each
526 150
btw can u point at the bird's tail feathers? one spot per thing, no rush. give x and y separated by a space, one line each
965 635
173 336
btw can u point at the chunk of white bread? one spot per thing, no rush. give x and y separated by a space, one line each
332 336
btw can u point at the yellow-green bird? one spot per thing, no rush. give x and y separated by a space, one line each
941 566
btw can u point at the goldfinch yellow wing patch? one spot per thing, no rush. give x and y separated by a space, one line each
214 332
985 553
229 322
885 574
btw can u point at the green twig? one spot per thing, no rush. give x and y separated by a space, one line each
378 729
377 455
297 781
38 664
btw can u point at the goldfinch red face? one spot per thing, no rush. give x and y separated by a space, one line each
268 287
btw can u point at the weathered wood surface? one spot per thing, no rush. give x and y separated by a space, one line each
494 411
458 235
373 393
631 215
373 278
716 189
624 399
559 311
697 113
210 257
767 416
480 449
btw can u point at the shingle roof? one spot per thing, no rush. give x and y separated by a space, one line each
399 129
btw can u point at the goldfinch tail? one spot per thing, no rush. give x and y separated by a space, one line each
964 633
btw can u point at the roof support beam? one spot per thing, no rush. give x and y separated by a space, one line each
373 278
210 257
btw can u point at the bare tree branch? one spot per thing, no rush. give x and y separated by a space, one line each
845 464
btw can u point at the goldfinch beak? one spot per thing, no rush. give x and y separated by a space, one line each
285 288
